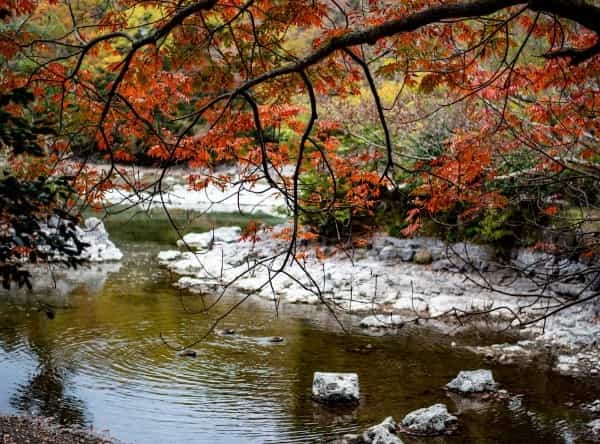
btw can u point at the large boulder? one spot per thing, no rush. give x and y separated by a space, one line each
204 241
384 433
330 388
473 381
434 420
101 248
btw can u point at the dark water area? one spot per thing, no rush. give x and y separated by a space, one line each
100 361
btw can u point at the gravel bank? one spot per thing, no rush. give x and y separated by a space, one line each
36 430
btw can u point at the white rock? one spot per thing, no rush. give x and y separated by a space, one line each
189 265
370 284
101 248
190 282
256 198
568 359
473 381
382 321
594 428
388 253
383 433
530 259
433 420
593 407
335 387
203 241
566 363
169 255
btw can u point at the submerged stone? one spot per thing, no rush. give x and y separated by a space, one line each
335 387
434 420
473 381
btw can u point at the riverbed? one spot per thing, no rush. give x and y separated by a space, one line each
94 357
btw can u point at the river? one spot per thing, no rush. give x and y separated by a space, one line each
95 357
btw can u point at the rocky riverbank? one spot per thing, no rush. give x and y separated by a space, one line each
38 430
234 196
396 281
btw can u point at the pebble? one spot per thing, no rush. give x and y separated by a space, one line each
188 353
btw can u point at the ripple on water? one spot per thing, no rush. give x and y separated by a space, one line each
160 384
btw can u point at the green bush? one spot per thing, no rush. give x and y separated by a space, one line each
493 226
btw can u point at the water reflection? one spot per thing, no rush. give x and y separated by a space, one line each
46 393
45 388
53 285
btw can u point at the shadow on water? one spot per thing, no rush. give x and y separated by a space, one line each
100 361
45 393
46 388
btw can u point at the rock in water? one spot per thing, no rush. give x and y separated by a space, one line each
100 248
434 420
335 387
473 381
384 433
593 429
188 353
593 407
594 426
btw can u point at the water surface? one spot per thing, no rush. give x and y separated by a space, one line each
100 362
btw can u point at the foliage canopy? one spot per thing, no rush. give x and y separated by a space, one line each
459 109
